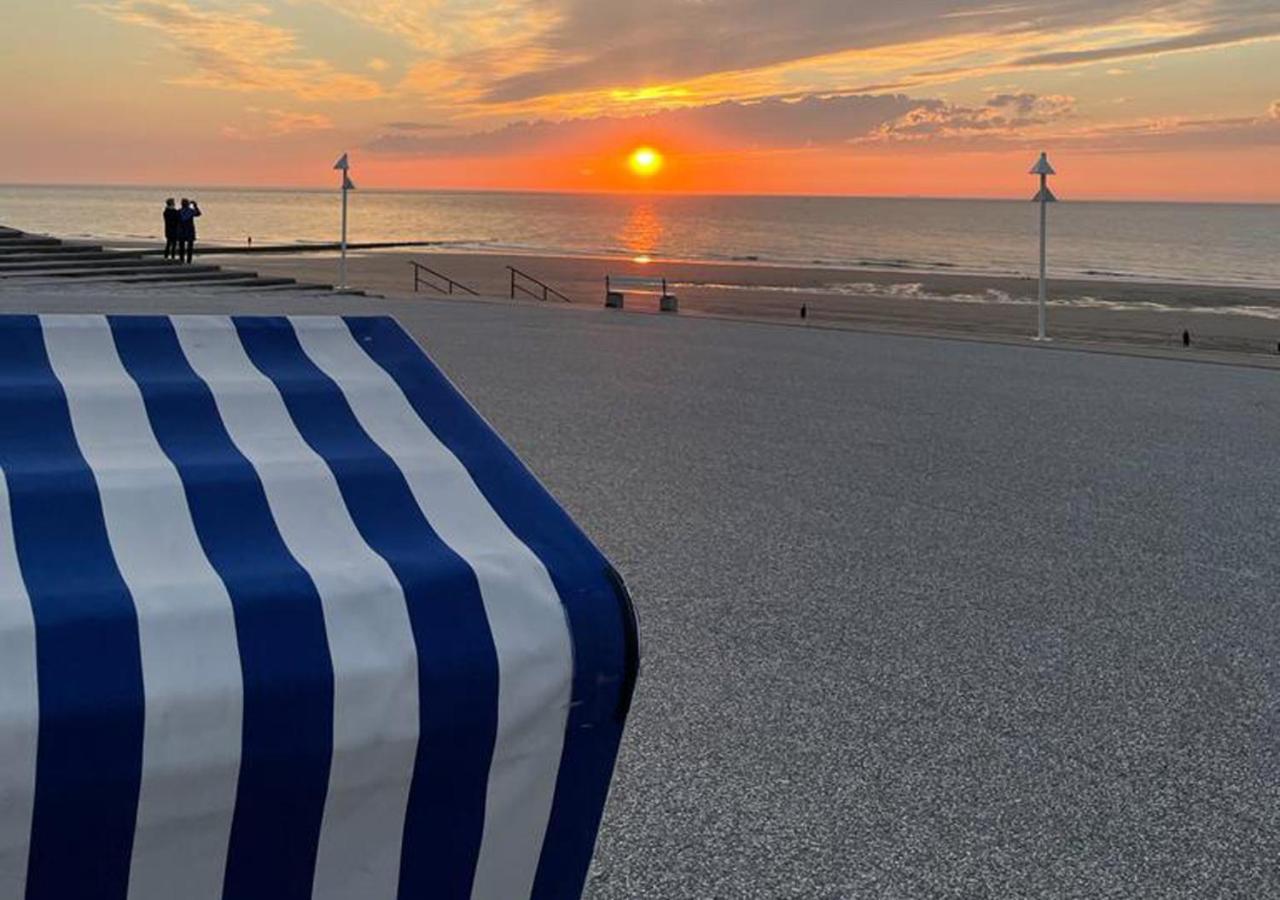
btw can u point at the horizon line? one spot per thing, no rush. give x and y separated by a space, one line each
312 189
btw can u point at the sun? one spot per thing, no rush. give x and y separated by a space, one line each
645 161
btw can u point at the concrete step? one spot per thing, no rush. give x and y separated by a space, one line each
35 258
186 275
74 255
11 243
213 279
102 265
106 274
267 286
260 283
11 249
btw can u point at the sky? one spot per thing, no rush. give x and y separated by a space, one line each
1133 99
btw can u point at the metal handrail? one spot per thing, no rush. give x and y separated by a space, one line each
450 284
546 288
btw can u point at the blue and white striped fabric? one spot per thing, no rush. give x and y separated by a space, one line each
281 617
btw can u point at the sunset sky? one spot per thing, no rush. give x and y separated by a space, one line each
1133 98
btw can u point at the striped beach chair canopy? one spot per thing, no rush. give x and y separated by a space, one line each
282 617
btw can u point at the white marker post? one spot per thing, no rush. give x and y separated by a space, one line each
343 166
1045 197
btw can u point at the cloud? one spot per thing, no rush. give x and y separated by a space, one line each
556 58
414 126
559 58
1023 104
453 27
1175 133
742 73
1003 114
1266 26
284 122
599 44
278 123
1003 120
774 123
467 78
232 47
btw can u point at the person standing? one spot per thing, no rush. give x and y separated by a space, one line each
172 227
187 216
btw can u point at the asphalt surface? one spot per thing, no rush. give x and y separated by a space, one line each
920 617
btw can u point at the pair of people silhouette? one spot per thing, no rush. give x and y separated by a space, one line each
180 229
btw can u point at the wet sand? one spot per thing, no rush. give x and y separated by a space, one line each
1230 319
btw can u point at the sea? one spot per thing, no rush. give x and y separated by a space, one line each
1199 243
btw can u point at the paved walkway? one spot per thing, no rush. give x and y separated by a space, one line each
921 617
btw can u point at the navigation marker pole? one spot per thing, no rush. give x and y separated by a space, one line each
1045 197
343 166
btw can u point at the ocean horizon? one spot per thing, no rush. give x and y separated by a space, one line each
1179 242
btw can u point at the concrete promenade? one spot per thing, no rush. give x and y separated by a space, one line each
921 617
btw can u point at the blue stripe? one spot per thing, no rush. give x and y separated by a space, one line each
89 667
458 675
284 654
598 617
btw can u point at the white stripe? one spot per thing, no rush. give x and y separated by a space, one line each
525 615
375 664
19 711
186 626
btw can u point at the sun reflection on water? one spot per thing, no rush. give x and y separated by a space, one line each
642 232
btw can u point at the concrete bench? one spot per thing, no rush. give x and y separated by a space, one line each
614 296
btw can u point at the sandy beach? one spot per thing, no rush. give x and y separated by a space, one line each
1219 318
1224 321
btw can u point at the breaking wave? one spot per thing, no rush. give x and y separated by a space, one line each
990 296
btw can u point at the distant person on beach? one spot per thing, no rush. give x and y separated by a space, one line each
187 233
172 226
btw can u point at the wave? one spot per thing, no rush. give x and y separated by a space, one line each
990 296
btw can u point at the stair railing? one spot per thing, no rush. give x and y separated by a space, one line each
545 292
419 279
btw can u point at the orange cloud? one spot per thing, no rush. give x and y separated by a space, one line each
451 28
239 51
601 45
768 124
278 123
